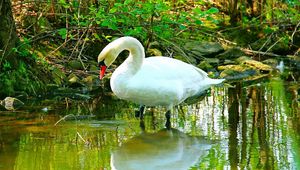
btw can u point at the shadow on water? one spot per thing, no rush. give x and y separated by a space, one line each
254 126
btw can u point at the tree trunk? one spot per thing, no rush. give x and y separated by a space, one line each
8 34
233 12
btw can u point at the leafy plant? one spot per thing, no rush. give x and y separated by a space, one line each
138 18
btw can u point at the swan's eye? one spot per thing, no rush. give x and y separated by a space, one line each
101 63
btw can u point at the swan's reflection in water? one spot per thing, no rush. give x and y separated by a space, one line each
164 150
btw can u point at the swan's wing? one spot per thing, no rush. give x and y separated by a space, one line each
165 68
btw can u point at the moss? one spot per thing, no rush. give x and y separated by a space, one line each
234 72
204 65
258 65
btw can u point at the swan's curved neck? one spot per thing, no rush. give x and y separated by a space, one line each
136 54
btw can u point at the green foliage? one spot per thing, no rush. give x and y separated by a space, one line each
136 18
63 33
18 78
11 79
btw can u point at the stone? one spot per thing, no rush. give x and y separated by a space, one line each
258 66
231 53
212 61
89 80
72 78
271 62
204 49
154 52
74 81
234 72
75 65
11 103
204 65
241 59
229 62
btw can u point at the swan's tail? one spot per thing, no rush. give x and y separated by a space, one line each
215 81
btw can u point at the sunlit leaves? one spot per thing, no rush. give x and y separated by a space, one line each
138 18
212 10
6 65
64 3
137 31
110 23
63 33
199 16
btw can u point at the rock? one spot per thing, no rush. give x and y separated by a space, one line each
89 80
154 52
258 66
212 61
231 67
11 103
204 65
75 65
271 62
233 72
204 49
72 78
229 62
231 53
241 59
246 68
209 64
74 81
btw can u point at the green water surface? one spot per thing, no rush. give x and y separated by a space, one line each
240 127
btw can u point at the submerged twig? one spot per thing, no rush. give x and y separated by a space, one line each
65 118
81 138
78 134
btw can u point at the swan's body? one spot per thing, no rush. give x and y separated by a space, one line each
152 81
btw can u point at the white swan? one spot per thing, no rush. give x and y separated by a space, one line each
152 81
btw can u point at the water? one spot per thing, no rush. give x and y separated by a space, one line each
253 126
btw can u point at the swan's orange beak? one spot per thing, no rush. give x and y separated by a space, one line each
102 71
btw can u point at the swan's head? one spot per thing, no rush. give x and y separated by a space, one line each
107 56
